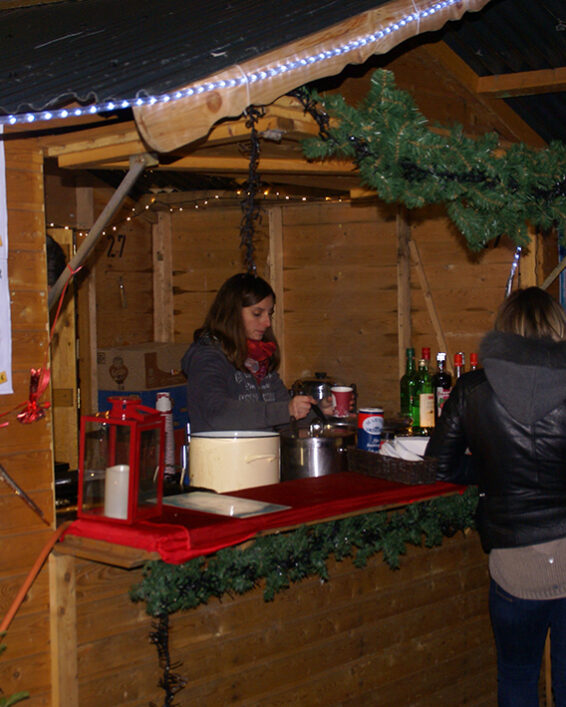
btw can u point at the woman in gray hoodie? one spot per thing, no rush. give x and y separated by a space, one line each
231 368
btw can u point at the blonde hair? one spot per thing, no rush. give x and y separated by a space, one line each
533 313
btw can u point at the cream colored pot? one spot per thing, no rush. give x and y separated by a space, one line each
233 460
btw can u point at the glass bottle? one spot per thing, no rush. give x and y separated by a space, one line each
408 383
458 365
424 402
425 353
441 384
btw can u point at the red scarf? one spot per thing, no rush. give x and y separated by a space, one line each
259 353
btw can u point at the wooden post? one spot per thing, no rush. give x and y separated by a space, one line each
64 368
275 268
404 328
163 317
529 264
63 615
86 304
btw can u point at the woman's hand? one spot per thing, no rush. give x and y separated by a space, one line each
300 405
327 405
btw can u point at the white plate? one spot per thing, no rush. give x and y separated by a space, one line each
221 504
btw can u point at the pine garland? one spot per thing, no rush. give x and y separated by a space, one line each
487 191
282 559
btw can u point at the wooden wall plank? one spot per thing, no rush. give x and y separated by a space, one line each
62 593
26 449
364 631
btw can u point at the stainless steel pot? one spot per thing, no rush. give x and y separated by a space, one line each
315 451
317 387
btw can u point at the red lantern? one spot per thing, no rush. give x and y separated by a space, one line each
121 463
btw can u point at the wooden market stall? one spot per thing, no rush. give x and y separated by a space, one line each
357 280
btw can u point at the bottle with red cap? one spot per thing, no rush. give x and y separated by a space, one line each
458 365
425 356
473 361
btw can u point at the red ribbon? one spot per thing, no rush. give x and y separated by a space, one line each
33 409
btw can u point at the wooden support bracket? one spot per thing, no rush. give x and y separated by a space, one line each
433 314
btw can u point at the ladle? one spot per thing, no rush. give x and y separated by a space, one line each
318 412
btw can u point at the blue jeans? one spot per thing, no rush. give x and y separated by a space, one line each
520 627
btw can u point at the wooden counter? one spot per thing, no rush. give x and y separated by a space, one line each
374 636
419 635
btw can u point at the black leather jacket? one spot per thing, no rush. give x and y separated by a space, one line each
511 416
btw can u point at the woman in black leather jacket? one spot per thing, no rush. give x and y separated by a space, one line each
511 416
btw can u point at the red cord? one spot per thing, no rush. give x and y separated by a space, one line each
37 565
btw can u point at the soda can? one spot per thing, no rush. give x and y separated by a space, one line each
370 425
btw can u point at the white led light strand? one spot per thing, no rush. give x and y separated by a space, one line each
260 75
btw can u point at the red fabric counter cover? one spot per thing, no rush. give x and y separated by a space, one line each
182 534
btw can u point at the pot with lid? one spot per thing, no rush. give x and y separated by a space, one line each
318 387
234 459
317 450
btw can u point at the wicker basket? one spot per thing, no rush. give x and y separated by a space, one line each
392 468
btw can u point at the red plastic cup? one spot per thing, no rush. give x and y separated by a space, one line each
342 399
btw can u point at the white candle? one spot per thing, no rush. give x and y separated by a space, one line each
116 489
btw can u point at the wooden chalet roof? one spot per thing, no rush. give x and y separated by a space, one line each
484 44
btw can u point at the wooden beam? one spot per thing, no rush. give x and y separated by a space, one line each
93 138
404 324
167 126
163 319
528 269
275 276
240 165
86 303
99 156
522 83
442 53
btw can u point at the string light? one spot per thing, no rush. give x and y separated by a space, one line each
245 79
202 203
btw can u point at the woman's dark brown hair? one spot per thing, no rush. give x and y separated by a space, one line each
224 319
533 313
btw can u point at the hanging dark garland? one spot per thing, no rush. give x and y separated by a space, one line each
250 205
487 191
170 681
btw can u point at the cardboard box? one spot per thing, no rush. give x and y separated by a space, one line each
140 366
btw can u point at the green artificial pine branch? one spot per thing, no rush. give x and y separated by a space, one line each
281 559
487 191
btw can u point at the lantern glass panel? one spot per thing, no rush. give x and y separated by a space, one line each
148 465
106 447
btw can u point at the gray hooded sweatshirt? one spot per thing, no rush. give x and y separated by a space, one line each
221 397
